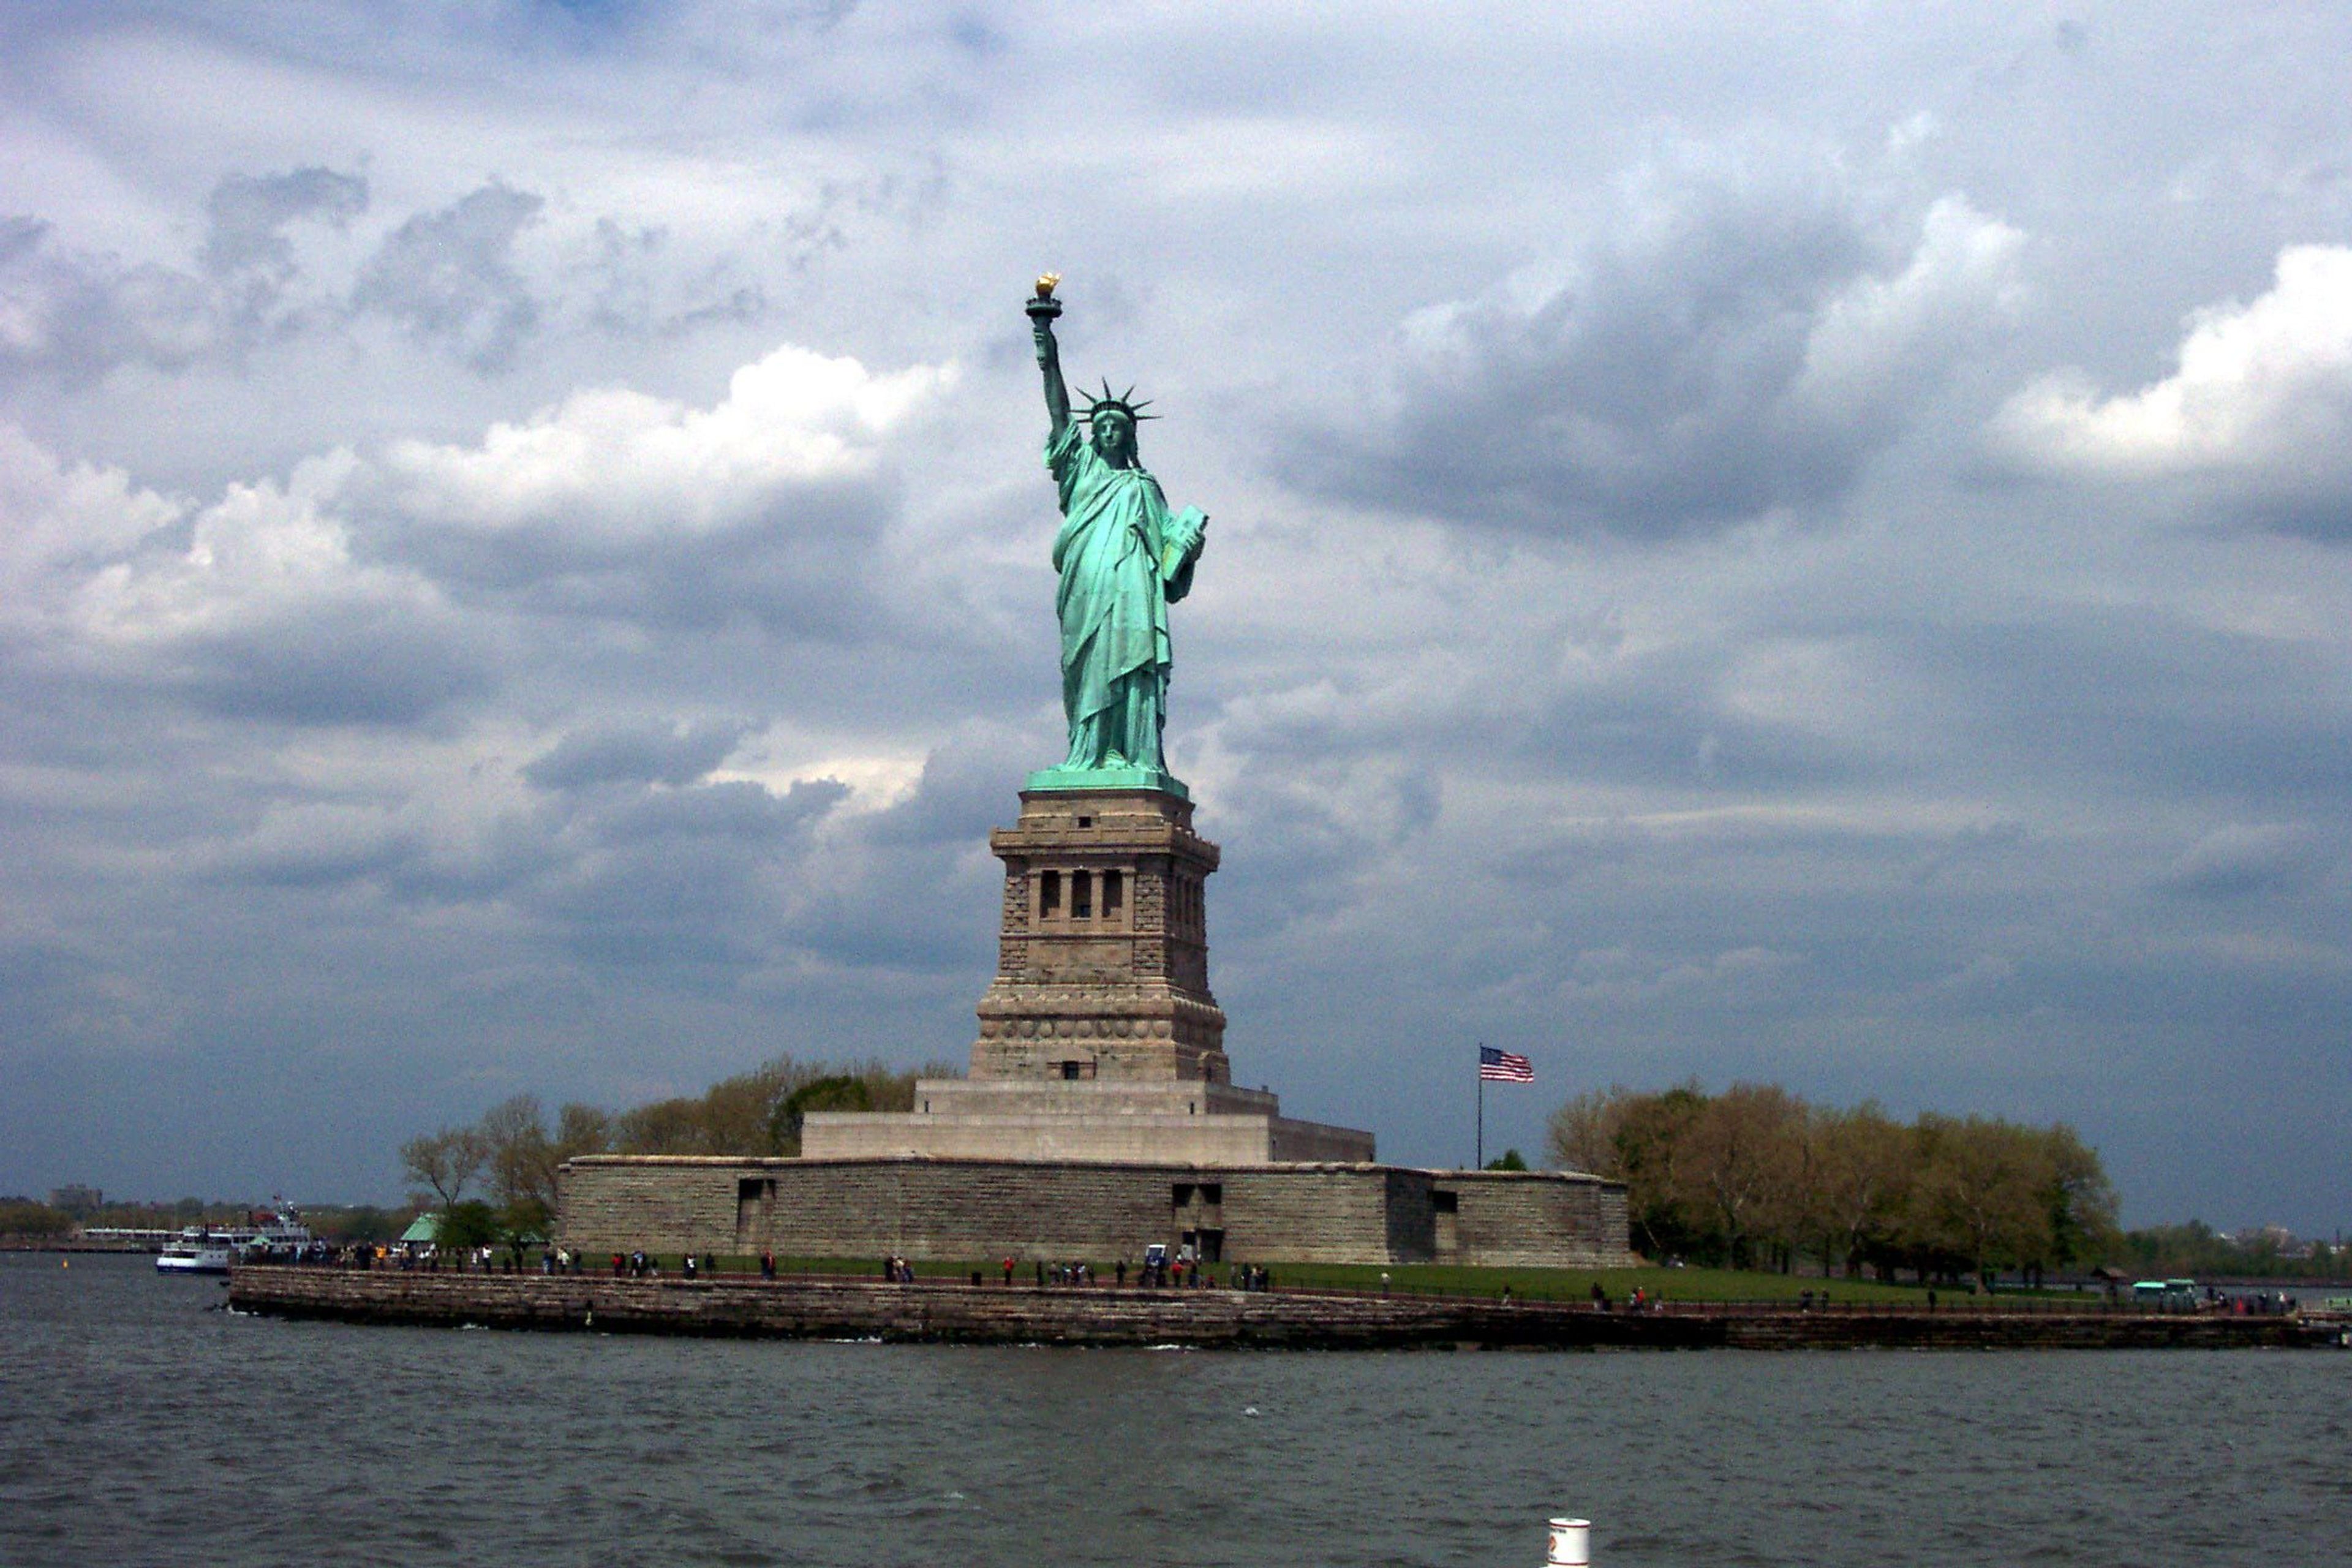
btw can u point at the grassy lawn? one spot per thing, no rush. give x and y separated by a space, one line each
1526 1284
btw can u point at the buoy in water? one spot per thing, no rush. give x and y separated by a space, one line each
1571 1544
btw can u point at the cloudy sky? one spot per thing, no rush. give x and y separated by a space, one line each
1808 543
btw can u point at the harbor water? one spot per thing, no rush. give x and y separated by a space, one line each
139 1423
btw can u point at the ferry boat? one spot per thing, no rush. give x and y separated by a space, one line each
206 1250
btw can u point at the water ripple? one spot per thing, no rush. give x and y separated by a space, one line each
137 1426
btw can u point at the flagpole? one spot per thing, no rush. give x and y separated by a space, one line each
1479 1160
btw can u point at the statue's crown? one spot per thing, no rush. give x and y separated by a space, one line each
1124 403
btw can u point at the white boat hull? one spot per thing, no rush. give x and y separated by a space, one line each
204 1249
208 1261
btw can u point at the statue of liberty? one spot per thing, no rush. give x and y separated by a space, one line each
1123 560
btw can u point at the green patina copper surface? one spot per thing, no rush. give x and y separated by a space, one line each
1123 558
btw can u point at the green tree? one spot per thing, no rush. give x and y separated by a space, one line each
1639 1140
836 1091
1582 1135
1511 1160
524 1159
355 1222
518 1153
756 1113
1863 1178
2080 1201
1756 1175
468 1224
1981 1195
446 1163
583 1130
31 1217
1735 1162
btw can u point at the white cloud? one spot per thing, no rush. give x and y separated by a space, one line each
323 597
1879 331
56 519
261 547
263 612
617 465
2261 401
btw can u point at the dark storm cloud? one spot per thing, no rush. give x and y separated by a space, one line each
694 877
799 565
1664 715
1660 719
449 277
251 608
738 809
315 846
248 216
2246 859
634 291
906 888
354 664
19 235
77 315
2141 702
1739 344
635 754
1300 853
962 794
906 913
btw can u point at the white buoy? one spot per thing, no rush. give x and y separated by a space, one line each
1571 1544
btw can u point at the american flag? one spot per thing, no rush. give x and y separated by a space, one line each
1496 1065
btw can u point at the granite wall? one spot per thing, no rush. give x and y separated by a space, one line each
928 1207
1509 1220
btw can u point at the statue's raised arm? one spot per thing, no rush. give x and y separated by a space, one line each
1122 559
1042 311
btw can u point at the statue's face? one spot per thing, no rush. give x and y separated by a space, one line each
1114 435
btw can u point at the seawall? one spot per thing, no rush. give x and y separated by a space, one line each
949 1312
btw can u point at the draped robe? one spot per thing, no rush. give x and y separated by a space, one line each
1122 560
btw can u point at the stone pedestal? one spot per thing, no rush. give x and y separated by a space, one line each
1102 958
1099 1038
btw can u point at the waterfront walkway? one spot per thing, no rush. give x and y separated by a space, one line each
849 1307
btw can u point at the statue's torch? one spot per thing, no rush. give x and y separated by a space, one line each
1043 307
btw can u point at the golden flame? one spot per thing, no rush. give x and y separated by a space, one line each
1045 281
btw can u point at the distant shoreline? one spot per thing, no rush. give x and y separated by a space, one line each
71 1244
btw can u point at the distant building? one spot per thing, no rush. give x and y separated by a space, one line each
77 1199
2275 1236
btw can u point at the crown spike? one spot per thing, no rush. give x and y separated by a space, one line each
1126 403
